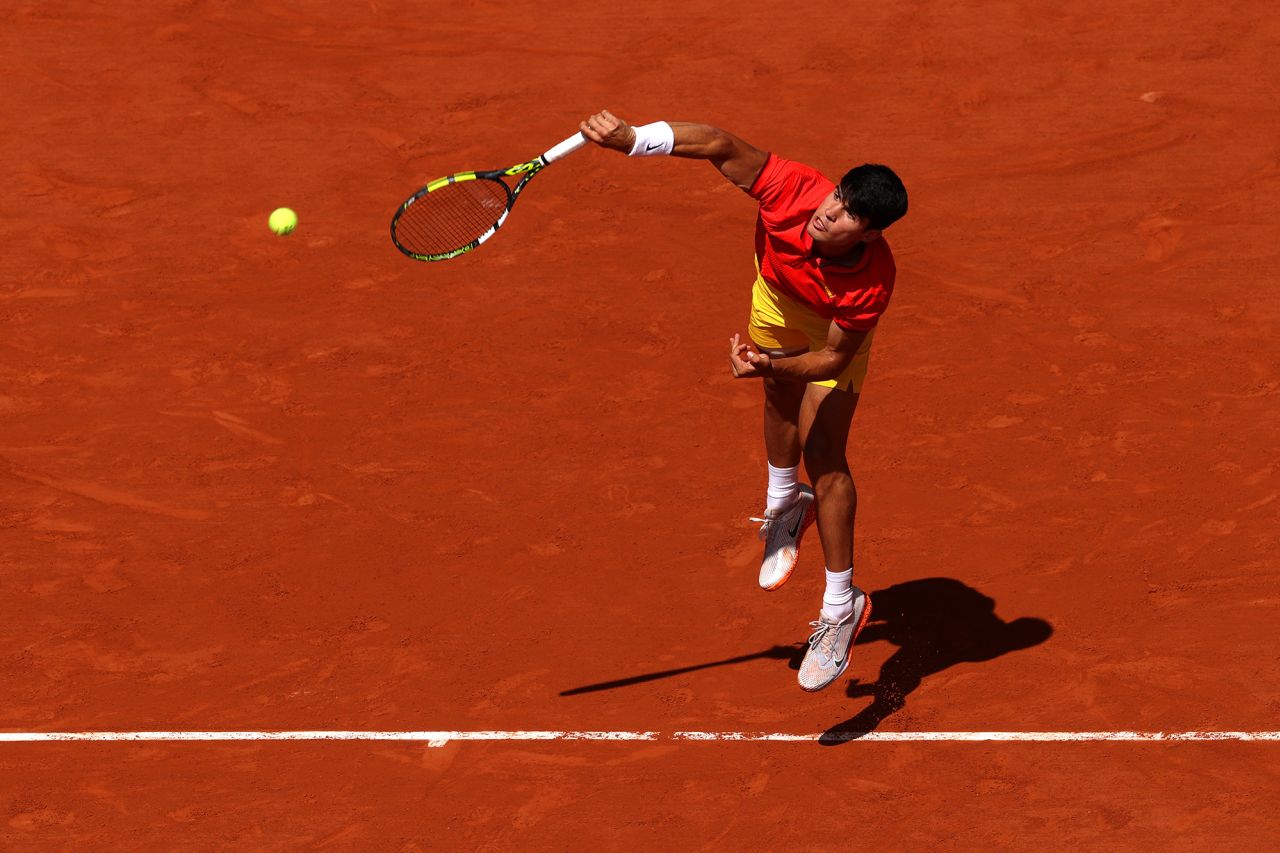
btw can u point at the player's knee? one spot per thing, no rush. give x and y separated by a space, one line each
827 469
833 484
822 454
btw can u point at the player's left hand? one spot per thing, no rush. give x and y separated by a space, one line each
745 362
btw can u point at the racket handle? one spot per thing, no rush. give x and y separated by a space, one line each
570 145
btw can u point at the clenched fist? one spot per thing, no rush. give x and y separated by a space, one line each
608 131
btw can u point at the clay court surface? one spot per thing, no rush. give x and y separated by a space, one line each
261 484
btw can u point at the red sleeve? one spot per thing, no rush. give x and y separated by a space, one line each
781 182
864 312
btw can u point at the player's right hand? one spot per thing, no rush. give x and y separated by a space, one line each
608 131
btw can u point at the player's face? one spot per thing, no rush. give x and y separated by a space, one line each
832 226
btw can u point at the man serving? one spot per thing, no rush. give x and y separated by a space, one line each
824 277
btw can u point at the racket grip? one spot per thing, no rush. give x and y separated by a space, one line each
570 145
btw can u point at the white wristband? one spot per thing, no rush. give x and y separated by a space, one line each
653 139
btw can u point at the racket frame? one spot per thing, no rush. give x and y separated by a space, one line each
527 169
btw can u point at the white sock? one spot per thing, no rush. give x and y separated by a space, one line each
782 486
837 601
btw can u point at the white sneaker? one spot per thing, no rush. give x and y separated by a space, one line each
781 530
827 657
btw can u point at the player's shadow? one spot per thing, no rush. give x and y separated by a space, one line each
935 623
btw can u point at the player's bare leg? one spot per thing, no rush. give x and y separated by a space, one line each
788 505
825 417
782 400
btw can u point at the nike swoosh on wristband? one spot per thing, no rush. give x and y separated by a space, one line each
653 145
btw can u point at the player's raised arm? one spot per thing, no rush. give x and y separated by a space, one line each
738 161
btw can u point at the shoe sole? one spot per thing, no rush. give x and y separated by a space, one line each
810 516
866 614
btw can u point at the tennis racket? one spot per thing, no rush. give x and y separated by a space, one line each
452 215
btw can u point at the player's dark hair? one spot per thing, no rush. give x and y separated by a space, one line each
874 193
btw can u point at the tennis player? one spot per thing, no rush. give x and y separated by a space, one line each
824 275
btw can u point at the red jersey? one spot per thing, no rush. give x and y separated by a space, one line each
854 296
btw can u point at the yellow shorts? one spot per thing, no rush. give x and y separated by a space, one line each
778 322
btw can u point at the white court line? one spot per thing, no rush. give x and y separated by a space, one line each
902 737
440 738
431 738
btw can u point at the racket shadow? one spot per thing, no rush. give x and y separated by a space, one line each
936 623
792 654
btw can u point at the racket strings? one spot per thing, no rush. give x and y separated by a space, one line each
451 217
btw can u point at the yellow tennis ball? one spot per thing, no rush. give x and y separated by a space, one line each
282 220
